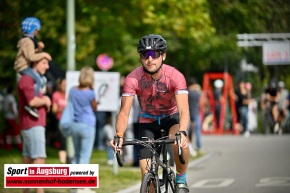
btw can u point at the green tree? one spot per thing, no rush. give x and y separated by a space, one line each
201 34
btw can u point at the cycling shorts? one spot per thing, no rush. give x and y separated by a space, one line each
153 131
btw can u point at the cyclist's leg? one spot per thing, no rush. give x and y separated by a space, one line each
275 114
171 124
272 116
181 184
145 130
268 119
197 132
145 154
143 163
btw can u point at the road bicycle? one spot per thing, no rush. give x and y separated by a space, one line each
152 182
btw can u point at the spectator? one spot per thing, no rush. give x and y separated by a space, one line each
58 104
252 110
242 101
101 119
283 94
84 128
100 123
11 116
51 123
218 98
286 121
29 50
2 120
282 103
272 111
264 105
207 124
33 128
194 96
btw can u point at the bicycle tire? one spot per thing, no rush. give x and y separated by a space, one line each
146 184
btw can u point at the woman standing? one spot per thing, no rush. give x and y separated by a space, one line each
83 129
58 104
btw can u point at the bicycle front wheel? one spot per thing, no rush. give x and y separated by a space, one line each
171 182
149 184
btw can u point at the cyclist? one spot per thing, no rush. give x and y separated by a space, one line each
270 106
163 98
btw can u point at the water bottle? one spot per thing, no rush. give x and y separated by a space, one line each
162 186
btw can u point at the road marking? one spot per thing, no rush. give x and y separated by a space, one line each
213 183
274 181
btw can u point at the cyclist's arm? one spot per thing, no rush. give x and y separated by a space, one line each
183 109
123 116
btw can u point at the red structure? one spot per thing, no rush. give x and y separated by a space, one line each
228 96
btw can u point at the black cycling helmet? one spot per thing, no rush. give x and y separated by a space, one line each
152 42
272 84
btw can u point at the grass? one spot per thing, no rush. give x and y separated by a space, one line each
108 181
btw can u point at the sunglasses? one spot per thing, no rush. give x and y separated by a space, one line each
153 53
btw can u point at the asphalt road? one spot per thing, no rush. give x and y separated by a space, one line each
234 164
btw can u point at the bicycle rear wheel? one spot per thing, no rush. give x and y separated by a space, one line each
149 184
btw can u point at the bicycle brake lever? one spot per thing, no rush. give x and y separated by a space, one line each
116 141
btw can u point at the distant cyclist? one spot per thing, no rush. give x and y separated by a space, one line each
163 98
271 114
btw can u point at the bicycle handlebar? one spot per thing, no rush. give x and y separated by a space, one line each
148 143
158 141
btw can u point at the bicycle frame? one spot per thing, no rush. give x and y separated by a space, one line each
166 169
168 175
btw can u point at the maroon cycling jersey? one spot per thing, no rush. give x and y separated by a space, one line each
156 97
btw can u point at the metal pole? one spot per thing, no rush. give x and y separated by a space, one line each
70 60
71 45
115 165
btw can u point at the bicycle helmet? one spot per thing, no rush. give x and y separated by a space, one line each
30 24
281 84
152 42
273 85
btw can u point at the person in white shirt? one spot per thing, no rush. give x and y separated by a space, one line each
11 115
